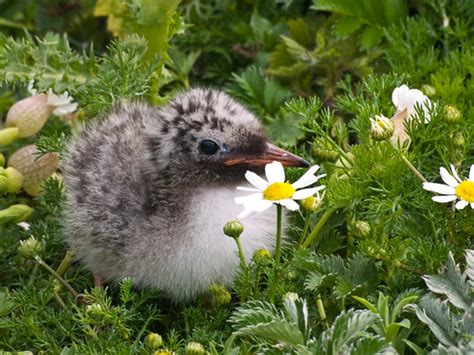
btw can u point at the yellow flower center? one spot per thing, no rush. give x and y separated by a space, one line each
278 191
465 191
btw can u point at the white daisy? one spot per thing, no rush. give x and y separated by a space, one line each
275 190
405 98
455 188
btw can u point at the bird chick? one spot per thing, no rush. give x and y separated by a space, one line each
148 191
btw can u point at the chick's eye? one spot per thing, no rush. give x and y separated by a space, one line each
208 147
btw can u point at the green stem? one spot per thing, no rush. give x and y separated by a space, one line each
278 237
314 233
56 275
68 258
305 229
409 164
243 265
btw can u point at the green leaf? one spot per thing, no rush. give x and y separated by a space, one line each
370 37
347 25
347 327
470 264
452 284
261 319
372 345
437 316
6 306
366 304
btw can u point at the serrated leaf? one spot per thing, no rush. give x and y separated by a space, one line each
452 284
470 264
372 345
466 325
346 327
437 316
347 25
370 37
256 318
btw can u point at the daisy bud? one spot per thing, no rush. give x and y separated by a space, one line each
2 160
220 295
3 182
163 352
15 180
35 169
8 135
451 114
233 229
194 348
458 140
29 115
311 203
30 247
15 214
428 90
361 229
381 128
323 150
262 257
153 341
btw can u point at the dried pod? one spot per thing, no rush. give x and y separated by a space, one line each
35 168
29 115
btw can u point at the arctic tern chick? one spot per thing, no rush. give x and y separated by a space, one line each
148 191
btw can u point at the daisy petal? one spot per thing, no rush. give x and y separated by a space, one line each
275 172
398 93
461 204
471 173
439 188
302 194
290 204
444 199
242 200
455 174
308 175
256 180
472 205
308 181
259 205
448 178
244 188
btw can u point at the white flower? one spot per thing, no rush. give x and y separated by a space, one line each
31 89
24 225
275 190
62 104
455 188
405 98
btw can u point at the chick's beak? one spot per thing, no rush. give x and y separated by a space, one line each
270 154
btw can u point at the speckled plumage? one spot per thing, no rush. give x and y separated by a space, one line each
144 201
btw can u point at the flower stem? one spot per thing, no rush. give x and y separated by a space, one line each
68 258
56 275
409 164
278 237
314 233
243 265
305 228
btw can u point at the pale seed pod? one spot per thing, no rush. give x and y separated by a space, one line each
8 135
15 180
30 247
29 115
35 169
